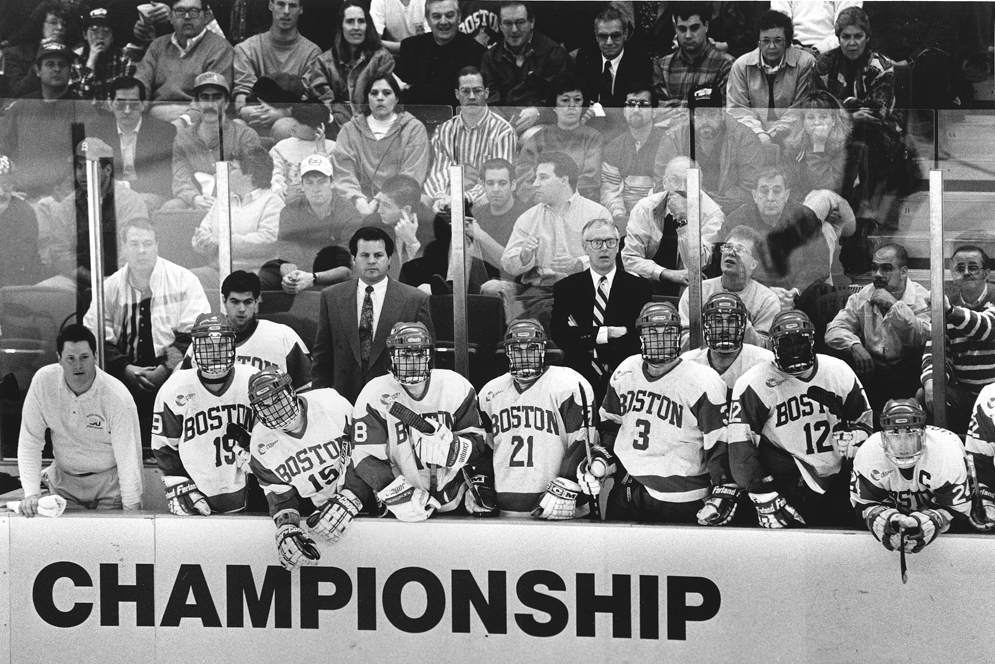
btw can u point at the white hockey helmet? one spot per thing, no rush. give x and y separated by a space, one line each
525 346
213 345
411 348
659 327
273 399
903 431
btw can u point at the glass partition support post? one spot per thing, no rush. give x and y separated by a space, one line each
95 221
938 315
221 191
694 256
457 253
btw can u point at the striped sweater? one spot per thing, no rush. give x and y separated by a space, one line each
970 342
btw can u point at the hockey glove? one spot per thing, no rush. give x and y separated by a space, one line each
295 548
406 502
720 506
241 438
329 522
480 499
442 448
883 522
590 475
983 517
184 498
923 527
773 511
559 502
848 441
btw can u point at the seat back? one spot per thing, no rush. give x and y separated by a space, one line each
485 330
174 229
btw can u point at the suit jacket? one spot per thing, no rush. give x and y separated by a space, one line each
335 359
634 66
153 154
574 296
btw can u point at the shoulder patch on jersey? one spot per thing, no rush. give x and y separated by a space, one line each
262 448
877 473
182 399
773 382
387 399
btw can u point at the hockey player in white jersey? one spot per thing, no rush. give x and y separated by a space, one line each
792 423
203 466
910 481
415 474
541 421
662 417
302 457
980 446
724 319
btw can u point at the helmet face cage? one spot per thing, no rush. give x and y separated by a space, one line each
724 320
273 399
659 332
525 347
903 425
410 347
214 346
793 342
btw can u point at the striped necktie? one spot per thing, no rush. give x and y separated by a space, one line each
600 305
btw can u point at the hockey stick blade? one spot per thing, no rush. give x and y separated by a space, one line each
238 433
977 504
407 416
831 401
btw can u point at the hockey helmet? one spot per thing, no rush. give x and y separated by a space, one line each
410 346
659 327
213 345
903 431
525 346
724 320
273 399
793 342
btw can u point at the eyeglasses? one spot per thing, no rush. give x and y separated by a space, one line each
188 13
605 36
777 41
476 92
970 268
520 24
598 243
638 103
735 248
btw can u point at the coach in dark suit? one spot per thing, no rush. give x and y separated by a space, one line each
606 291
625 65
350 347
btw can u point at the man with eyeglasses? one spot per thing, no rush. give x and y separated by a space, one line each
627 169
767 81
609 70
101 63
970 337
474 136
595 311
172 62
695 62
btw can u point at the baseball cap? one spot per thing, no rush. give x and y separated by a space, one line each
211 78
98 15
94 149
50 47
316 163
705 96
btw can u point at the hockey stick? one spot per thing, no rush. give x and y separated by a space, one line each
595 500
977 504
901 554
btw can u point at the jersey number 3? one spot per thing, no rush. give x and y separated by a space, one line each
642 440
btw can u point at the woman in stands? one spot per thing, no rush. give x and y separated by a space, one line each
816 148
383 142
51 20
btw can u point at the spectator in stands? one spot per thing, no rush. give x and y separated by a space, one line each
198 147
732 26
476 135
433 271
280 50
143 146
101 62
91 422
656 242
340 76
398 211
609 71
174 62
317 219
814 22
518 70
396 20
582 144
429 62
255 217
493 221
51 20
817 147
766 82
150 305
970 337
307 138
19 259
696 62
332 265
383 141
627 168
737 264
652 26
729 154
884 328
546 243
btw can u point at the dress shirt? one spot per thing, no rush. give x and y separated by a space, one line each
596 279
378 294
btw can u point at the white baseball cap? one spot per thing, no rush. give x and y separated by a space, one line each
316 163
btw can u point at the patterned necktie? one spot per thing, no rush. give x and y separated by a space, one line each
366 329
606 83
600 304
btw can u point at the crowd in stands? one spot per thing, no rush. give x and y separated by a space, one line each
576 127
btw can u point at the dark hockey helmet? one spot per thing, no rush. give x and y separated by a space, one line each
724 320
793 342
411 347
273 399
213 345
903 429
659 327
525 346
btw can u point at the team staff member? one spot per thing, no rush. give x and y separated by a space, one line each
81 406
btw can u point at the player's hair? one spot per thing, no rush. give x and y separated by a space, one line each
901 255
404 190
973 248
563 166
258 165
331 257
432 2
469 70
127 83
529 13
371 234
685 10
771 19
771 172
392 82
75 332
241 281
599 221
143 224
497 163
563 83
643 86
609 14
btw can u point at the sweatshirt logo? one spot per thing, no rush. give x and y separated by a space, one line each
94 421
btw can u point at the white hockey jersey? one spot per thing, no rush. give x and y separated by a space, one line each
980 441
538 434
748 358
271 345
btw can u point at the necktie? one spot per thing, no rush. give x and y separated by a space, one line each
600 304
606 83
366 329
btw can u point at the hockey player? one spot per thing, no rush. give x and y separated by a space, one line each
724 319
980 446
541 424
801 414
909 480
203 467
662 417
413 473
301 453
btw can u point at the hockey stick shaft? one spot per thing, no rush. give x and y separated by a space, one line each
901 559
595 500
977 504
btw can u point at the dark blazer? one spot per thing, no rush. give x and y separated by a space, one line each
574 296
153 154
634 66
335 358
